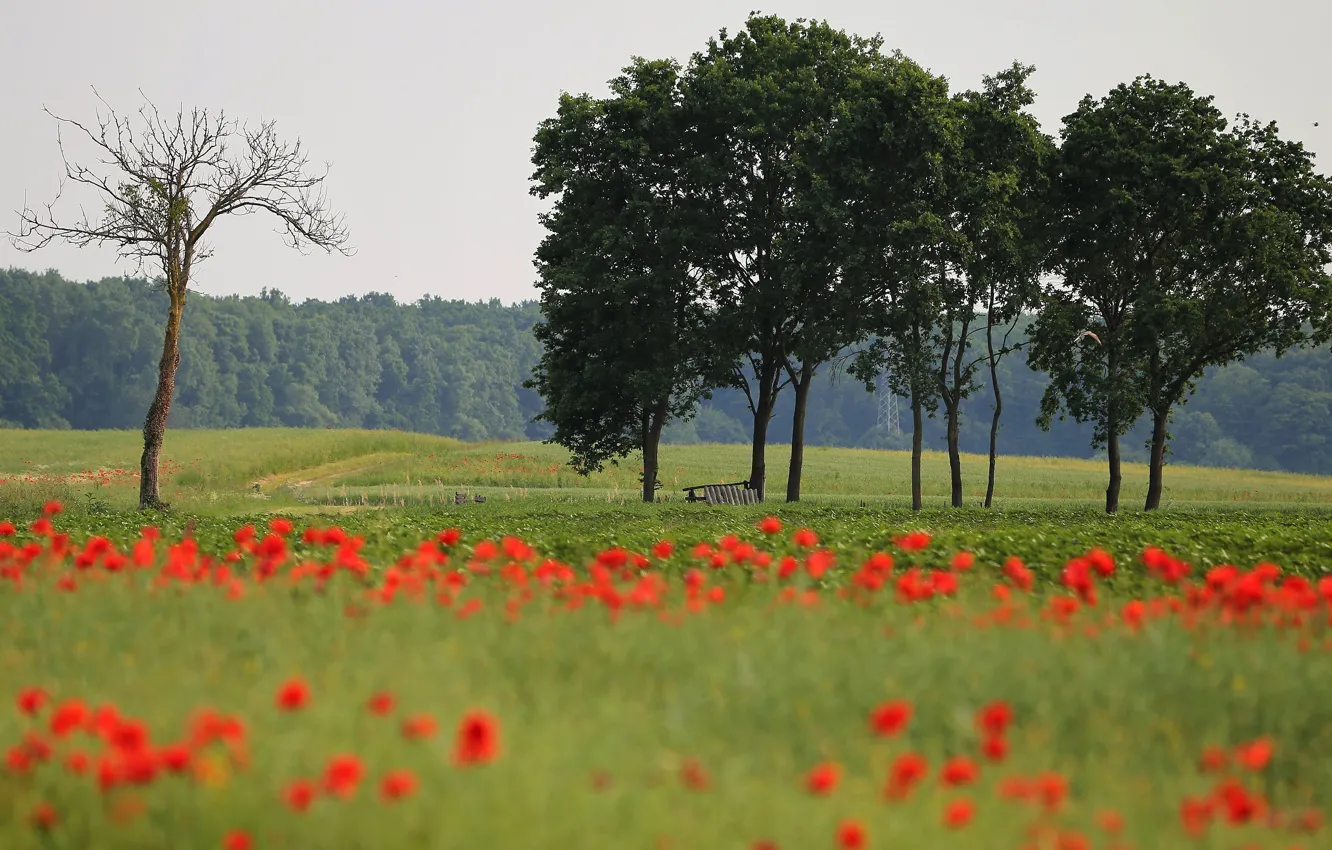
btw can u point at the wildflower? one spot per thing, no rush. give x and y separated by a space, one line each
31 700
381 704
851 835
449 537
293 695
397 784
1110 821
907 770
959 770
962 561
1254 755
805 538
43 816
694 775
995 748
299 795
343 774
993 719
823 778
891 717
958 813
419 727
916 541
237 839
662 549
770 525
477 739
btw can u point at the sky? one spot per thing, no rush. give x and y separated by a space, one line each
426 110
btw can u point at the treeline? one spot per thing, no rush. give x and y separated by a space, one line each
86 355
76 355
794 198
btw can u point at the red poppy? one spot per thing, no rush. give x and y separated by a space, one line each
381 703
30 701
477 739
805 538
916 541
237 839
891 717
419 727
958 813
299 795
770 525
959 770
397 784
823 778
851 835
907 770
343 774
993 719
43 816
293 695
1254 755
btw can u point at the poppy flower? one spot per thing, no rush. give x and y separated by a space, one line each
293 695
959 770
891 717
396 785
851 835
770 525
381 704
299 794
958 813
237 839
343 774
30 701
823 778
477 739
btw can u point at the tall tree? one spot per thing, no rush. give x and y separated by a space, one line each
1184 244
760 104
625 348
996 200
165 186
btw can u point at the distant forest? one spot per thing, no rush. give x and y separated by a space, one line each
84 356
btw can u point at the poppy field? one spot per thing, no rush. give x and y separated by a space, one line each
786 682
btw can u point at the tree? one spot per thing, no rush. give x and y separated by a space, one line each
760 105
625 341
1183 244
163 189
999 199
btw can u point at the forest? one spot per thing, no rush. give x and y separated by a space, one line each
84 356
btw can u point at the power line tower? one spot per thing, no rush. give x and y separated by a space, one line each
888 416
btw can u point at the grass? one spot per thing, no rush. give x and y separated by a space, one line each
218 472
601 714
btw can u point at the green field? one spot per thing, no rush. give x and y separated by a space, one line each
375 468
633 712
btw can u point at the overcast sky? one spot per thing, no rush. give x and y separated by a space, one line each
426 110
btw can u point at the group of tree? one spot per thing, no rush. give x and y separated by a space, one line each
84 355
794 199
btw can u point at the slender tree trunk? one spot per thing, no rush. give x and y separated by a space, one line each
1157 468
954 451
1112 437
998 409
917 438
762 416
652 426
154 426
798 432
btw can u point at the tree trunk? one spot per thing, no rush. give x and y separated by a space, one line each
154 427
1157 468
762 416
798 432
998 409
954 452
655 421
1112 435
917 436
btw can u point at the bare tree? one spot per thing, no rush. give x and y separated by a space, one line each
163 186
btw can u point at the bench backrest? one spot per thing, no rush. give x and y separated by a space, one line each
729 494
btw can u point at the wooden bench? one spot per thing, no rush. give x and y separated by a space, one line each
723 494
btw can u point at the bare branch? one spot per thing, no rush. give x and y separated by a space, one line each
163 181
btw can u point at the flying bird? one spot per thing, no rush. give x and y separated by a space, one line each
1090 334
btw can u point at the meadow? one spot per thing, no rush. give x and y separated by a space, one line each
293 666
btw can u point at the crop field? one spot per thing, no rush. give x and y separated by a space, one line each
294 666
